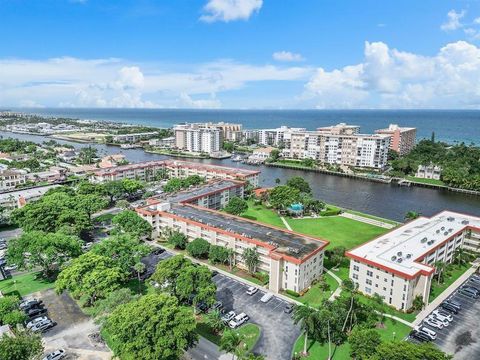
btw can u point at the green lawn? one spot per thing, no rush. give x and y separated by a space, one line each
454 271
320 352
316 295
251 332
388 221
338 230
425 181
25 284
261 214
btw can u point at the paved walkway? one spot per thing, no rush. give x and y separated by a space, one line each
444 295
368 220
287 225
338 290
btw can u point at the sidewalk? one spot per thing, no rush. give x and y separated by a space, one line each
338 290
367 220
444 295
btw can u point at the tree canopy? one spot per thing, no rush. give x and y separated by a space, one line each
24 346
153 327
236 206
130 222
90 276
198 248
282 196
299 183
49 251
177 184
9 312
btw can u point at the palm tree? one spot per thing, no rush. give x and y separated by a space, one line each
139 267
252 259
412 215
460 256
214 320
230 342
305 316
231 258
440 268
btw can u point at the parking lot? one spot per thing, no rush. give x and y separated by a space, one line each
73 330
278 333
460 338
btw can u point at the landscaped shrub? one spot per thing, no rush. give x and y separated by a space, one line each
292 293
331 212
263 277
198 248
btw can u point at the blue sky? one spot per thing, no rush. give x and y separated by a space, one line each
240 53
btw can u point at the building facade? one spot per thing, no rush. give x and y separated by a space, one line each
429 172
132 138
10 179
291 260
400 265
198 138
403 139
277 137
148 171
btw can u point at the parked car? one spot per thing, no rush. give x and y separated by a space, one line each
454 303
31 313
252 290
442 319
43 326
469 293
443 315
35 321
214 273
448 307
30 304
229 316
218 305
3 246
472 288
429 332
420 336
238 320
202 307
158 251
289 308
56 355
10 267
433 323
266 298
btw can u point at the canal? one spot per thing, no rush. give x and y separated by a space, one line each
385 200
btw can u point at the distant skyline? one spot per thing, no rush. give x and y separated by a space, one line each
240 54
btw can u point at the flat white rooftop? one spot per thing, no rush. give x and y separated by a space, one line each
399 249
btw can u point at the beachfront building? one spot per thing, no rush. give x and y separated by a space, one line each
279 137
148 171
341 144
429 172
291 260
399 265
10 179
402 138
133 138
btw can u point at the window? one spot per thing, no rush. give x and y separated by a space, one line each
355 268
368 290
369 282
369 273
355 276
390 300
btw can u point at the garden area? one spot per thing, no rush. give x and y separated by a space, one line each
25 284
451 273
321 290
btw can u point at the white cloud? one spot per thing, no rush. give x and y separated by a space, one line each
389 78
186 101
287 56
453 20
73 82
230 10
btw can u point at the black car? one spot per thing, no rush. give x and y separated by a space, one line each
217 306
448 307
473 288
454 303
201 306
288 308
30 304
158 251
31 313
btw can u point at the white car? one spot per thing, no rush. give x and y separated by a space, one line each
252 290
430 333
36 321
56 355
442 315
229 316
266 298
238 320
443 320
10 267
433 323
42 326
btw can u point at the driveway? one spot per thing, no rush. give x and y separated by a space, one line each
72 330
278 333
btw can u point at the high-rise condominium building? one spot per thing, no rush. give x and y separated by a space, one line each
277 137
403 138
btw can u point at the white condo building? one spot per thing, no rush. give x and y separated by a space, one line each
278 136
399 265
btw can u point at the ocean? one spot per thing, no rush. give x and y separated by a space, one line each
449 125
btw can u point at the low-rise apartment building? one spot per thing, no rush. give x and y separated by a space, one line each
291 260
429 172
277 137
132 138
147 171
10 179
399 265
402 138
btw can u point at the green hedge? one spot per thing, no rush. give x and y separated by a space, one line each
292 293
330 212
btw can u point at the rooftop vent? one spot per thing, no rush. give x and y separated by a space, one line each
394 258
442 228
424 240
450 218
465 222
399 253
409 256
438 231
445 233
399 260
